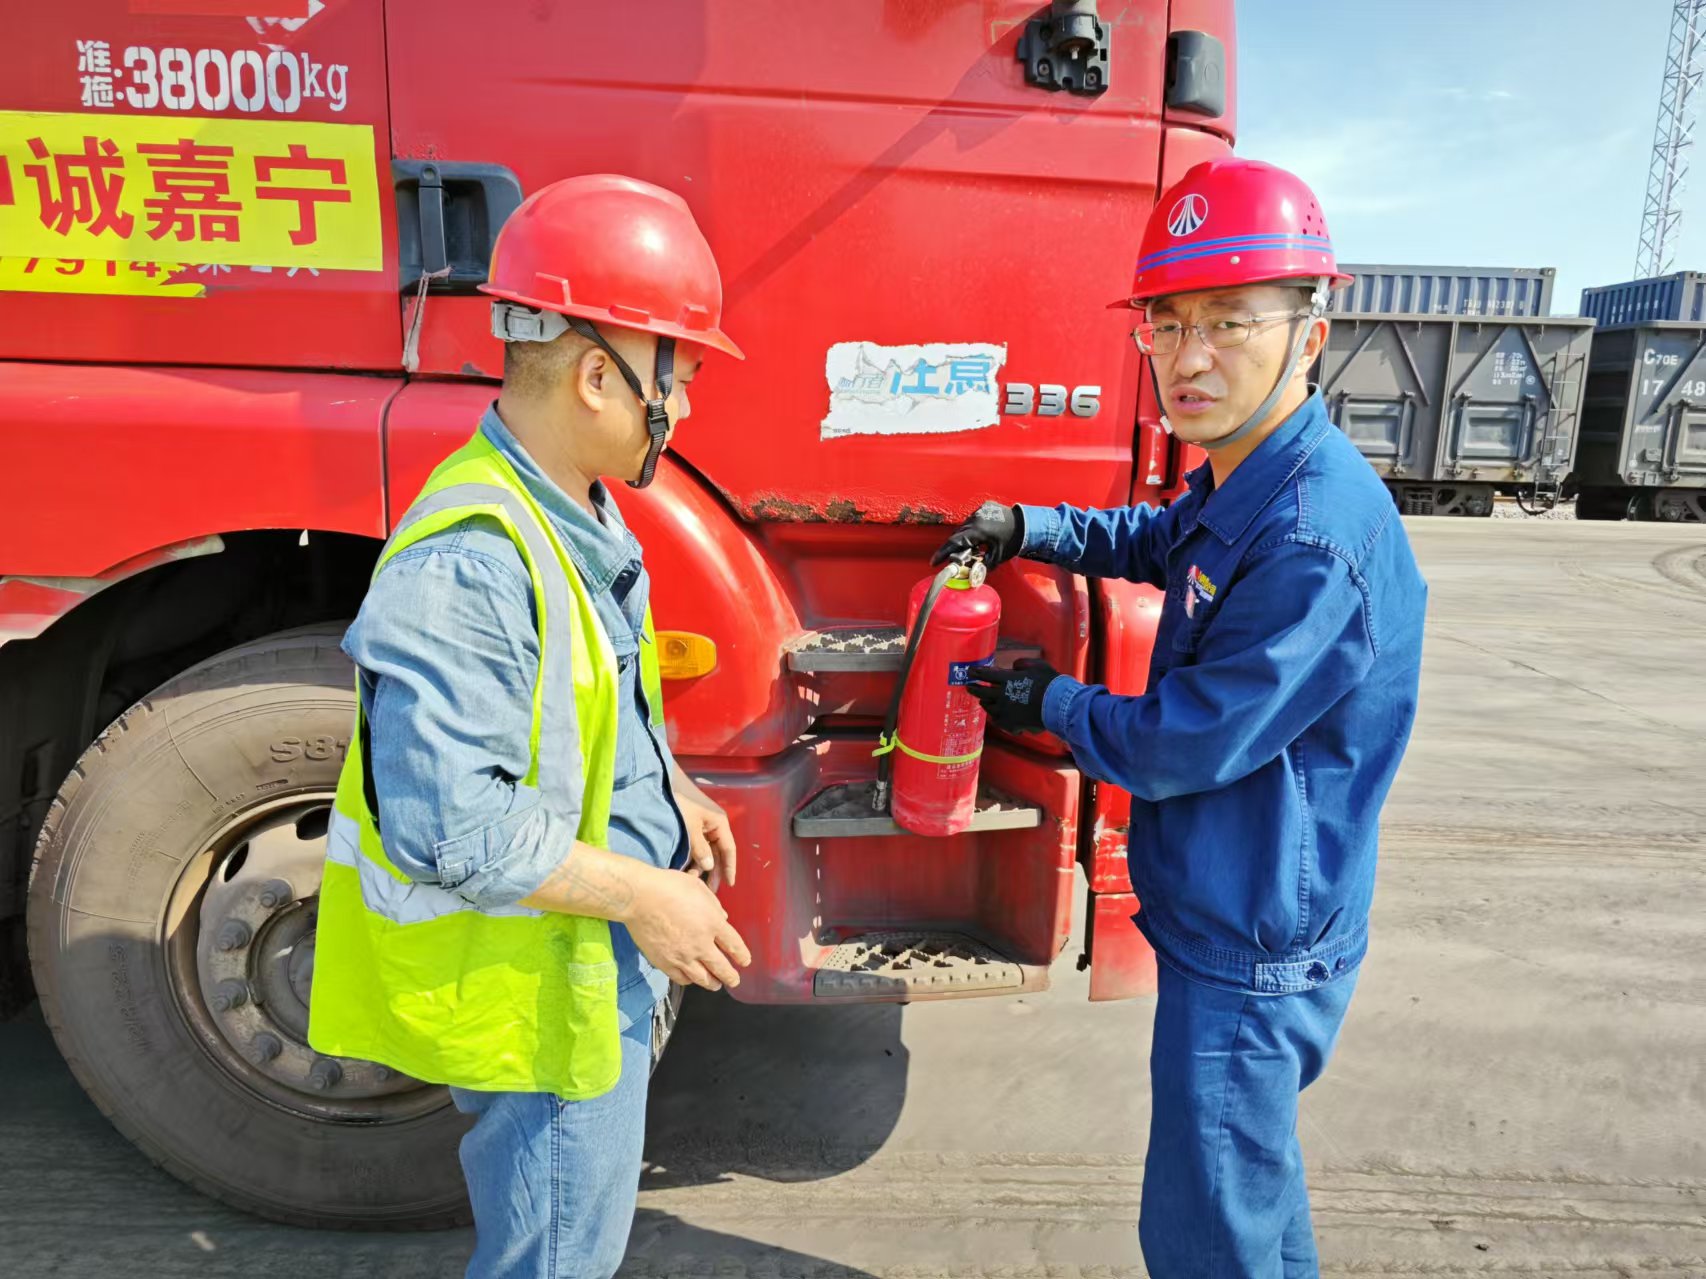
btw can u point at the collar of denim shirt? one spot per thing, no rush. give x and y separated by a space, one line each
1228 510
599 549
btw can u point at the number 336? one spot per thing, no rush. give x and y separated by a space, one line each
1023 399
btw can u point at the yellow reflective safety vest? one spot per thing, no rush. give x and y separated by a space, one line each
411 975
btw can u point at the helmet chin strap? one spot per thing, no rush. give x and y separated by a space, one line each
657 412
1317 308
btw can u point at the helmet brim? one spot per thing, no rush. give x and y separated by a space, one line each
716 339
1336 280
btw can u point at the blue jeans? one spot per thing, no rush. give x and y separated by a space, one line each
553 1182
1223 1189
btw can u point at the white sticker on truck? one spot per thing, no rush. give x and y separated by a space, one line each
277 82
927 389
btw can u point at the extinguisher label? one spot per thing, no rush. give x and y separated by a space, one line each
959 673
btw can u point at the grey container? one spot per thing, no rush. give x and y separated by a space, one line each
1662 297
1384 289
1643 445
1451 411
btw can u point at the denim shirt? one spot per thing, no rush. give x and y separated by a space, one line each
447 647
1282 689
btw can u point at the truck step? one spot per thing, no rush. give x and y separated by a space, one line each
913 963
873 649
845 812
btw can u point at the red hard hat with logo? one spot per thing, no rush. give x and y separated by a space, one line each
612 250
1233 222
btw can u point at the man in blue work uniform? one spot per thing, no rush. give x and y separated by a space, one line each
1281 694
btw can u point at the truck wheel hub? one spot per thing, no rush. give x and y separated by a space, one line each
250 906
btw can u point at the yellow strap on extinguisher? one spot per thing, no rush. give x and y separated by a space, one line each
887 744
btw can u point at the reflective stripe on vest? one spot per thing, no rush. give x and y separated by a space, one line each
414 976
402 901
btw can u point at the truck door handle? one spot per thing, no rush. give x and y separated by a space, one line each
1196 73
448 218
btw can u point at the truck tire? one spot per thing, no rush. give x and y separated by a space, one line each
171 917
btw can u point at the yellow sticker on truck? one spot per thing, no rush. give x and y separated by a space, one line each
74 275
129 188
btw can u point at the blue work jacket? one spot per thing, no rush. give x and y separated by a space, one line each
1281 694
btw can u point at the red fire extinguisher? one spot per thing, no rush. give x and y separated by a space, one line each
933 741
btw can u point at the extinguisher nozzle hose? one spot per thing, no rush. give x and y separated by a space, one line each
891 725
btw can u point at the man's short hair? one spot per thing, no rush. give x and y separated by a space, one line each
532 370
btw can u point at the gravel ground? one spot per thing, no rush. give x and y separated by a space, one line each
1505 508
1518 1092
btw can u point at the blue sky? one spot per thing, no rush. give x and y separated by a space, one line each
1473 132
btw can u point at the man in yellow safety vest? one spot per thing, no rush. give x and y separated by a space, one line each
501 910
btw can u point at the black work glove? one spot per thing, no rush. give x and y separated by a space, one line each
998 530
1014 699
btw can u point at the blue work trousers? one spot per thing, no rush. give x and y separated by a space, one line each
1223 1189
553 1182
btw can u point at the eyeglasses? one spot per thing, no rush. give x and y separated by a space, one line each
1167 337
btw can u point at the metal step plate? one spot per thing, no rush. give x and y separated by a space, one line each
844 812
873 648
913 963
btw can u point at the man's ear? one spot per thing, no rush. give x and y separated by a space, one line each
1316 344
593 375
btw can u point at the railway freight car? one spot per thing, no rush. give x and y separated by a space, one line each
1453 410
1680 296
1382 288
1643 439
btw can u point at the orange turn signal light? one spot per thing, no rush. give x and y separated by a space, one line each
684 655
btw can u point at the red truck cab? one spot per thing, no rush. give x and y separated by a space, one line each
239 325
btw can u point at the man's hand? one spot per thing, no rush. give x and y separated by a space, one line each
997 530
1014 699
711 844
678 924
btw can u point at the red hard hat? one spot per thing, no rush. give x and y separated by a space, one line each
1232 222
612 250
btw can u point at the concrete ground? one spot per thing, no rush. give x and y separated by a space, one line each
1520 1089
